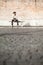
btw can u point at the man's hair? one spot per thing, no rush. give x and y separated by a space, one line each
14 12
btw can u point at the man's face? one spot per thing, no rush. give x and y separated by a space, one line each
14 14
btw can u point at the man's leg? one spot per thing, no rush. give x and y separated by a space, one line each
12 23
17 23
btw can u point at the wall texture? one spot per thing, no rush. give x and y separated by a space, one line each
30 12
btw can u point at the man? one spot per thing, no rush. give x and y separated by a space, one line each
14 19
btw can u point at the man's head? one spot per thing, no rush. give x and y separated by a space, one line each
14 13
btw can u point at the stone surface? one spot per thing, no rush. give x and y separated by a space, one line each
21 46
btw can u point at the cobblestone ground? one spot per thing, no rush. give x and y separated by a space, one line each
21 46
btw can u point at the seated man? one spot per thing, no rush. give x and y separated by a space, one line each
14 19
